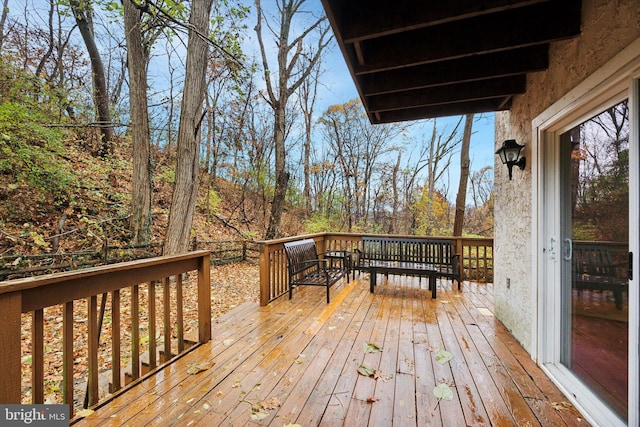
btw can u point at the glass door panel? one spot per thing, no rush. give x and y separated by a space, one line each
595 232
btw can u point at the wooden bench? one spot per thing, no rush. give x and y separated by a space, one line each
594 269
436 256
307 268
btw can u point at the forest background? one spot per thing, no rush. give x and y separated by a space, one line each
166 121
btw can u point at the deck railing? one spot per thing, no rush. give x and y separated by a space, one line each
143 284
477 258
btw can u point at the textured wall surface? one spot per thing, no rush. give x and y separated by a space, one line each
607 28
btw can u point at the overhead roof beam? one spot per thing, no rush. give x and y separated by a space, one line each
473 68
364 19
449 94
522 27
444 110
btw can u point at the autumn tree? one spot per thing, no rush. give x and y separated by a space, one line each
185 189
282 82
83 13
357 149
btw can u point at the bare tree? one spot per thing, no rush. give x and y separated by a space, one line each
83 14
185 189
286 83
461 198
3 20
307 99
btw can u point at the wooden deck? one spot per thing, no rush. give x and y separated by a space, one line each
296 361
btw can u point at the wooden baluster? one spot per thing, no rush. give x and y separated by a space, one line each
153 362
92 326
166 289
67 362
135 332
37 357
115 341
179 313
10 356
204 300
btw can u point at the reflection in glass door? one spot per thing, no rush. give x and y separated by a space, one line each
595 232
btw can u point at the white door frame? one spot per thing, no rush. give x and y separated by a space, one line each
615 81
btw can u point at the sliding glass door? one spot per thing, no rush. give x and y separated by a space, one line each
594 254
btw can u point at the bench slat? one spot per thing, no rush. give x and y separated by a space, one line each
305 267
438 253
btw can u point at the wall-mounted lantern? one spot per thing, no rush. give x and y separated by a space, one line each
510 155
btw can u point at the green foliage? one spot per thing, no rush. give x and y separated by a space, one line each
31 152
318 224
433 216
211 201
18 85
167 175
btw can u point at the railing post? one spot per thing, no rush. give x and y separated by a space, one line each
460 250
204 299
265 277
10 337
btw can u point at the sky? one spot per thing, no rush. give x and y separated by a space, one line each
341 88
337 88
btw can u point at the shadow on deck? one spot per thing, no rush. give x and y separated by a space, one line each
297 361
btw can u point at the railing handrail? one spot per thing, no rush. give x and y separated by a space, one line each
273 262
27 283
32 295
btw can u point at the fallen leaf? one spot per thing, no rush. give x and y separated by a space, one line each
196 368
561 406
272 403
227 342
371 348
443 357
84 413
442 391
259 414
365 370
372 399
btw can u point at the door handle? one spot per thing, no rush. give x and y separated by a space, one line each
569 253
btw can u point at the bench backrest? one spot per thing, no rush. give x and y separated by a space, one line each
439 252
300 256
593 260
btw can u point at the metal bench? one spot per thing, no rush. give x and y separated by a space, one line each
594 269
305 267
438 255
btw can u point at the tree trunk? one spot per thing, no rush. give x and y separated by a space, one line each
282 176
3 19
140 221
100 92
461 198
288 55
185 189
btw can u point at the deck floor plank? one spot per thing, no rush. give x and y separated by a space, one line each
359 333
301 356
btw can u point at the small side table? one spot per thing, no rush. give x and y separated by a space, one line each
343 256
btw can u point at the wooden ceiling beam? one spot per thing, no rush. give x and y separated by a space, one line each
521 27
445 110
473 68
364 19
471 91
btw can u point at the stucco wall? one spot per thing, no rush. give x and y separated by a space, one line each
607 27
